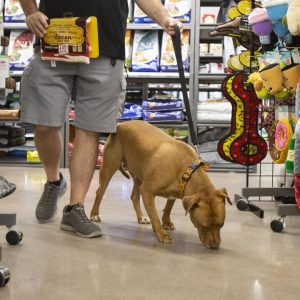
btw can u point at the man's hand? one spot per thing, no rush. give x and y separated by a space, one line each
169 23
37 22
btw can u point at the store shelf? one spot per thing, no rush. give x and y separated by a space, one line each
205 29
229 167
211 3
17 161
151 26
15 73
211 78
214 124
154 77
210 58
16 25
9 120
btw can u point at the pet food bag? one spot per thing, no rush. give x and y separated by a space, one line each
179 9
20 49
140 17
145 56
128 48
168 62
13 12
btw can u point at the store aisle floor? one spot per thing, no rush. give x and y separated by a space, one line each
129 263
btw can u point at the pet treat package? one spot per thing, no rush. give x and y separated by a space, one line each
168 62
162 105
168 116
145 55
71 40
128 48
20 49
139 16
179 9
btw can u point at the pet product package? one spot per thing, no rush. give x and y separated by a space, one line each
13 12
132 111
179 9
4 73
128 48
20 49
71 40
159 116
168 60
149 105
145 55
140 17
130 11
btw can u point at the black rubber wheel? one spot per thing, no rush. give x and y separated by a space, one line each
14 237
242 204
4 276
277 225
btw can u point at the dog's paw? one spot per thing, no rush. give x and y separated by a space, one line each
144 220
168 226
166 239
96 218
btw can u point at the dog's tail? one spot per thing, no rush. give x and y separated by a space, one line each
122 170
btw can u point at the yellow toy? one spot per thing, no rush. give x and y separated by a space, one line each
258 84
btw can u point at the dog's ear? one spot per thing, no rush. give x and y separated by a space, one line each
190 202
223 193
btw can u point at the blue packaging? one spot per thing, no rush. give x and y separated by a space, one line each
132 112
168 116
145 54
162 105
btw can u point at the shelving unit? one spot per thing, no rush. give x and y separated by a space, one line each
147 80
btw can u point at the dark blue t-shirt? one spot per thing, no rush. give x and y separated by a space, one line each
111 15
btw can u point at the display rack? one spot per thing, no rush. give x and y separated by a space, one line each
261 193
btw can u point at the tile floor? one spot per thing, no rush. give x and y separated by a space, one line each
128 262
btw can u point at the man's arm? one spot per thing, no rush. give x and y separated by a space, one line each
156 11
35 20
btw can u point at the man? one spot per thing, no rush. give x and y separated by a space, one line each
99 86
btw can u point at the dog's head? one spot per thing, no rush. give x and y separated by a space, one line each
207 215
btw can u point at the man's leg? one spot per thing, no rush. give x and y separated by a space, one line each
83 162
48 141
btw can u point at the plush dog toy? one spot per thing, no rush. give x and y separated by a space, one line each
293 19
258 84
277 10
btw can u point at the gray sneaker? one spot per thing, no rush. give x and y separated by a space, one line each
74 219
47 206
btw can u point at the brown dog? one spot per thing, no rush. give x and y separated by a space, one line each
157 163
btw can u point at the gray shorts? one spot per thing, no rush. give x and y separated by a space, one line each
100 89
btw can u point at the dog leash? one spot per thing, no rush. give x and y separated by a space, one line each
176 39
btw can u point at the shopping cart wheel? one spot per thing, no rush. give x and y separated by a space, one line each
14 237
242 204
277 225
4 276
